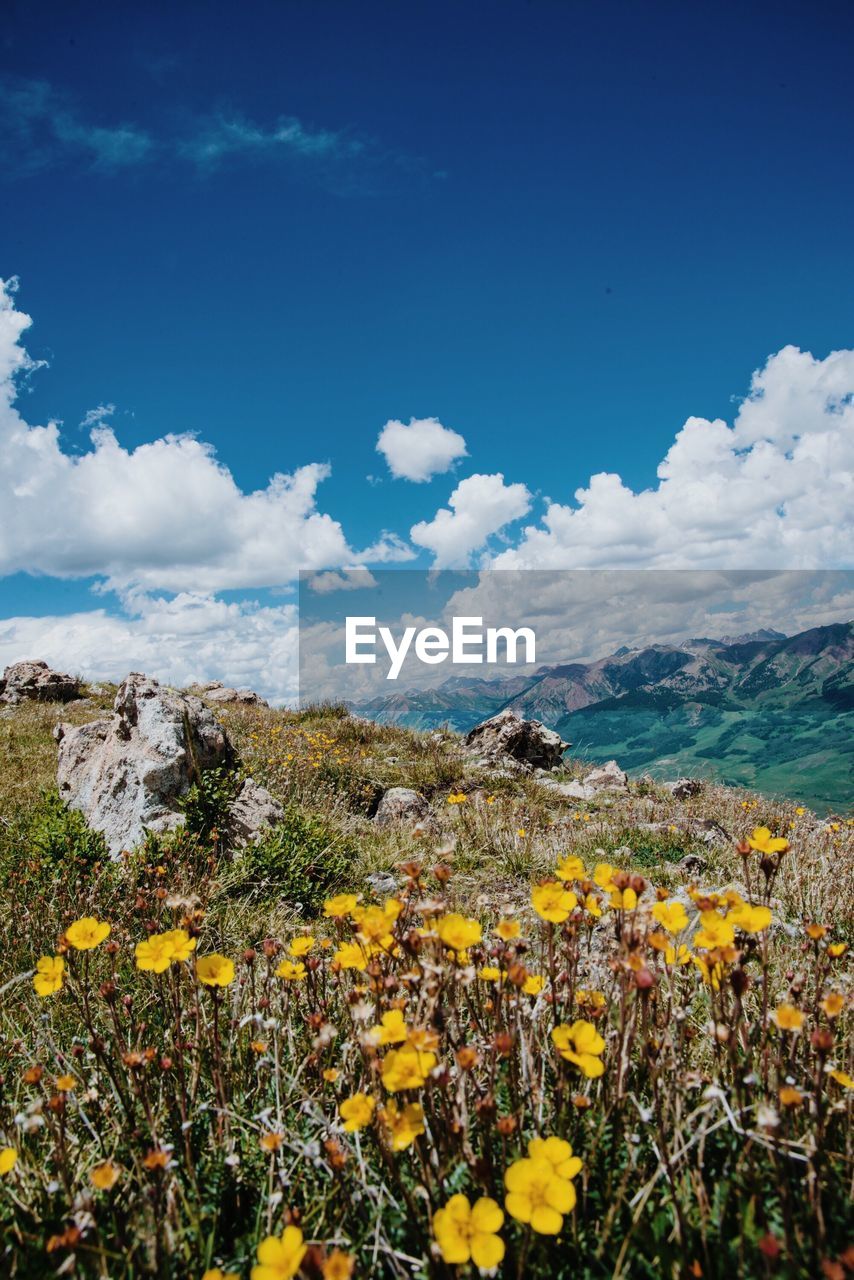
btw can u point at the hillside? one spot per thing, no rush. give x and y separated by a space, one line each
372 1018
766 711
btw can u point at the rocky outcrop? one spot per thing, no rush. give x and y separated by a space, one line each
216 691
37 682
507 737
127 774
607 777
401 804
252 813
684 788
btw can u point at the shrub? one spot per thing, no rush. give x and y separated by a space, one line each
60 836
301 860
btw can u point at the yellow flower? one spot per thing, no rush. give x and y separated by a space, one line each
217 1273
338 1266
582 1045
489 973
105 1176
763 842
623 899
343 904
672 916
49 975
816 931
533 984
280 1257
271 1141
405 1124
468 1233
837 949
375 923
301 946
65 1084
331 1074
536 1195
603 874
594 999
407 1068
558 1154
592 905
291 971
215 970
351 956
86 933
182 944
750 919
677 955
8 1160
391 1028
833 1004
715 932
788 1018
457 797
790 1097
458 932
357 1111
841 1077
154 954
507 930
571 869
552 901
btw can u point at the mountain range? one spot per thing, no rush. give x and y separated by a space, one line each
762 710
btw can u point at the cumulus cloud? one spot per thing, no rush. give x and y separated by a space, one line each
165 516
477 508
181 640
771 491
423 449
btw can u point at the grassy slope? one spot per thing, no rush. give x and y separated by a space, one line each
330 770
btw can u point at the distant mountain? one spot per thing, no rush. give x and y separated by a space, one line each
762 710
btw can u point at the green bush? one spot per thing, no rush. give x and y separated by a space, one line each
58 835
302 860
205 806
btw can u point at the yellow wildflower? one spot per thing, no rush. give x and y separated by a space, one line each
672 916
280 1257
291 970
571 868
458 932
342 904
404 1124
508 930
8 1160
357 1111
87 933
301 946
49 975
788 1018
538 1196
215 970
552 901
407 1068
469 1233
391 1028
763 842
105 1176
582 1045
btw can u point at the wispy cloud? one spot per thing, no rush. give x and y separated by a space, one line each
40 128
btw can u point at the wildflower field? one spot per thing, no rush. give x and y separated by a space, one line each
524 1039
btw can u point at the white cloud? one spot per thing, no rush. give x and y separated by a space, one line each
423 449
771 491
182 640
479 507
165 516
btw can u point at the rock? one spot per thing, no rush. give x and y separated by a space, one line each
710 832
252 813
127 774
684 788
35 681
574 790
401 804
692 864
608 777
216 691
528 742
382 883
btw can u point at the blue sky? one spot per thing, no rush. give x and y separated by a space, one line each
560 229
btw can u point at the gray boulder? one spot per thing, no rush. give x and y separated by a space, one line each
684 788
127 774
401 804
608 777
252 813
37 682
507 737
216 691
